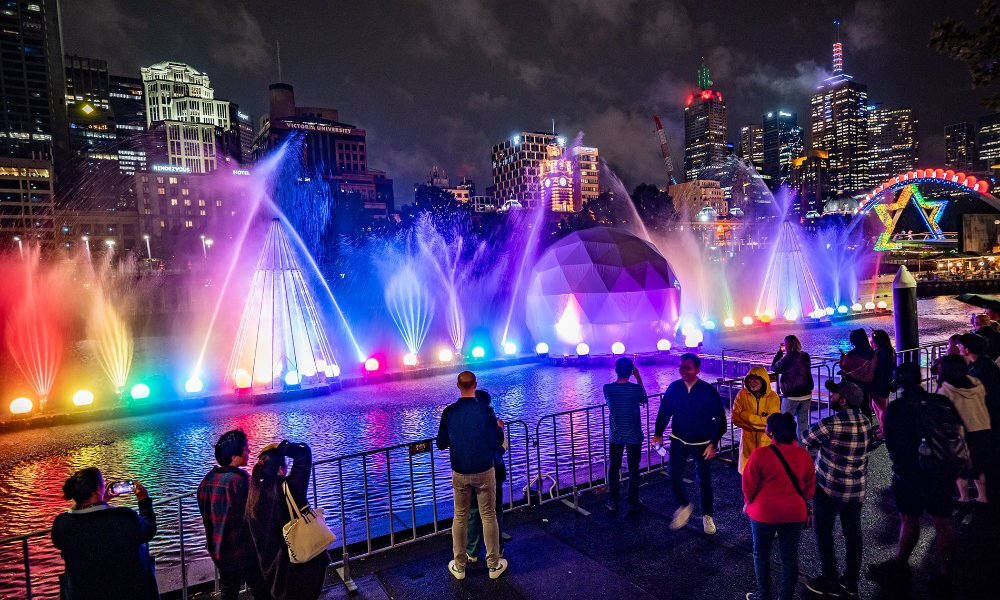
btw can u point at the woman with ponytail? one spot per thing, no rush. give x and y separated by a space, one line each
104 547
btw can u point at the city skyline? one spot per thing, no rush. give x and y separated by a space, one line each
435 84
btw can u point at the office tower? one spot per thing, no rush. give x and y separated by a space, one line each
705 127
892 143
782 141
839 126
960 147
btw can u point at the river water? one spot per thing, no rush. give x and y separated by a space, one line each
169 453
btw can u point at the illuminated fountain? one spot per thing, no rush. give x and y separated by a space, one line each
789 289
281 336
410 305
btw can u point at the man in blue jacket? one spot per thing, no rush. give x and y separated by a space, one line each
699 422
472 432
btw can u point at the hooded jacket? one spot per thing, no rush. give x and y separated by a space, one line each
750 413
970 404
794 371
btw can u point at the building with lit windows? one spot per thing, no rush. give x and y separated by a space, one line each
697 198
751 145
515 167
26 202
93 180
32 109
988 142
810 182
245 132
105 230
960 147
839 125
892 142
128 104
335 151
705 127
782 143
555 182
587 174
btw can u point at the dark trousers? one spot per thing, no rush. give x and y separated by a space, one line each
231 580
679 453
826 510
788 548
615 467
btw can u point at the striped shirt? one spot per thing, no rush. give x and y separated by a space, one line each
623 409
844 439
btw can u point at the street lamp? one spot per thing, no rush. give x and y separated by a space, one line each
20 245
149 252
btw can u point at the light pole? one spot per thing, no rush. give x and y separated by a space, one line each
20 245
86 242
149 252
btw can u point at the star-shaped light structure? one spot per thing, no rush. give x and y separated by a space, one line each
889 215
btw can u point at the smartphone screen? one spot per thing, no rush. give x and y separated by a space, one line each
123 487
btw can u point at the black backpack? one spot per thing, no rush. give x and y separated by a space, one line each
943 450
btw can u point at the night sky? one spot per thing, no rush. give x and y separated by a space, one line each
441 81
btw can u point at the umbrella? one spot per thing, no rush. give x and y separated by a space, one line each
987 301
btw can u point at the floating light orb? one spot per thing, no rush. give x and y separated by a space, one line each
478 352
308 369
139 391
842 309
83 398
582 349
320 365
663 345
242 379
292 378
618 348
372 365
730 322
857 307
869 306
193 385
510 348
21 406
445 355
409 360
693 338
333 371
708 325
748 321
264 376
791 314
764 318
542 348
881 305
829 310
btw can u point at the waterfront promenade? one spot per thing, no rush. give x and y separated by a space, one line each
557 552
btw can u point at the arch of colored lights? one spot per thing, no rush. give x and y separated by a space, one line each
888 206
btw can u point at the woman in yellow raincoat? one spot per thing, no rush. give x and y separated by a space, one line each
750 410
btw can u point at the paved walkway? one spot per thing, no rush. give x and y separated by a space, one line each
558 552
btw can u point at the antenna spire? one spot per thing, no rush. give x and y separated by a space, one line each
838 52
704 77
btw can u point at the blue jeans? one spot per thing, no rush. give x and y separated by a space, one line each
800 410
788 548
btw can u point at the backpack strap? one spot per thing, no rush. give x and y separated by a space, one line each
788 470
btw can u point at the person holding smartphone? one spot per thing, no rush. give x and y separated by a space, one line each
624 398
105 547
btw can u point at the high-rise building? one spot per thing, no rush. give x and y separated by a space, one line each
988 142
587 174
193 128
244 133
705 127
127 99
32 89
960 147
810 182
782 140
332 150
892 143
556 181
751 146
839 125
515 167
93 179
26 195
695 199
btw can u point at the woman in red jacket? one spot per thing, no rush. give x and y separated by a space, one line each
778 482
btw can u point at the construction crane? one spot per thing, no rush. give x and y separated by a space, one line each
668 162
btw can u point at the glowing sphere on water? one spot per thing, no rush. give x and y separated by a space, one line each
333 370
856 307
21 406
881 305
478 352
510 348
321 365
140 391
410 360
242 379
193 385
308 369
764 318
693 338
542 348
829 310
663 345
292 378
791 314
582 349
372 365
83 398
842 310
730 322
618 348
869 306
708 325
748 321
445 355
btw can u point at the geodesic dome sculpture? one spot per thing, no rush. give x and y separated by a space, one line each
601 286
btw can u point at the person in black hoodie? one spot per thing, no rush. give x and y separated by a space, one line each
858 367
267 513
104 547
795 381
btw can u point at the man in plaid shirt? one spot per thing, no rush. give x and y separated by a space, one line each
844 440
222 498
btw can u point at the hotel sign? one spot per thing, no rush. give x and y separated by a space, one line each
321 128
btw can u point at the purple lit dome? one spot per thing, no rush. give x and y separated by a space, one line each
600 286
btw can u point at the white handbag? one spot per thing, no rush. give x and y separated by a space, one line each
306 534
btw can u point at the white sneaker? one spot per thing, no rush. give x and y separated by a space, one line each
681 516
456 572
709 524
498 570
471 559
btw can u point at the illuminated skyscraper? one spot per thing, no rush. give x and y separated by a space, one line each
960 147
892 143
782 140
515 167
839 125
705 127
988 142
751 146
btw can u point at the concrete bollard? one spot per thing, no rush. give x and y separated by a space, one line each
904 307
